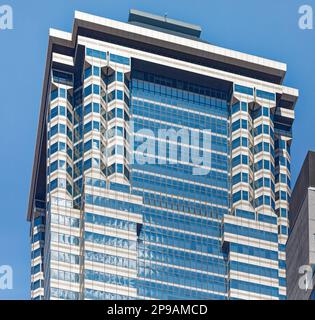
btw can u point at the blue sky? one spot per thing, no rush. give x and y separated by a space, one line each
266 28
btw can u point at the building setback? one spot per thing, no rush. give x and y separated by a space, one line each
105 225
301 242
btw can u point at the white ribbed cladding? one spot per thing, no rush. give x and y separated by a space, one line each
94 80
283 192
37 248
263 126
258 132
110 140
243 132
283 181
60 132
59 141
245 229
117 142
113 79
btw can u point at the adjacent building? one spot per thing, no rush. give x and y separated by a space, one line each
301 242
162 166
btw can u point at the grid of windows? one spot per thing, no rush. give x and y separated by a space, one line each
183 239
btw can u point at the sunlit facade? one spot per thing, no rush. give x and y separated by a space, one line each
105 225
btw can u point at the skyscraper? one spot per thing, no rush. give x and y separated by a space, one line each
162 166
301 242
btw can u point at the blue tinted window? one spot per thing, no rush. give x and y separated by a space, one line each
87 73
96 107
236 107
119 113
120 131
119 59
95 53
96 89
120 95
88 90
243 89
120 76
62 93
88 109
283 212
244 106
53 95
96 71
266 111
265 95
119 168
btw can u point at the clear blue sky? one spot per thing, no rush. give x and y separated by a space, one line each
266 28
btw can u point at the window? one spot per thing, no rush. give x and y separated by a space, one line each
63 77
265 111
283 213
58 164
92 144
96 89
110 115
87 73
58 128
119 113
284 230
243 89
120 95
237 196
96 107
62 93
110 133
92 125
120 76
88 90
36 269
244 142
265 95
88 109
241 159
96 71
266 129
91 89
236 125
119 168
95 53
119 150
111 96
59 110
283 195
235 107
119 59
53 185
120 131
245 195
58 146
244 106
